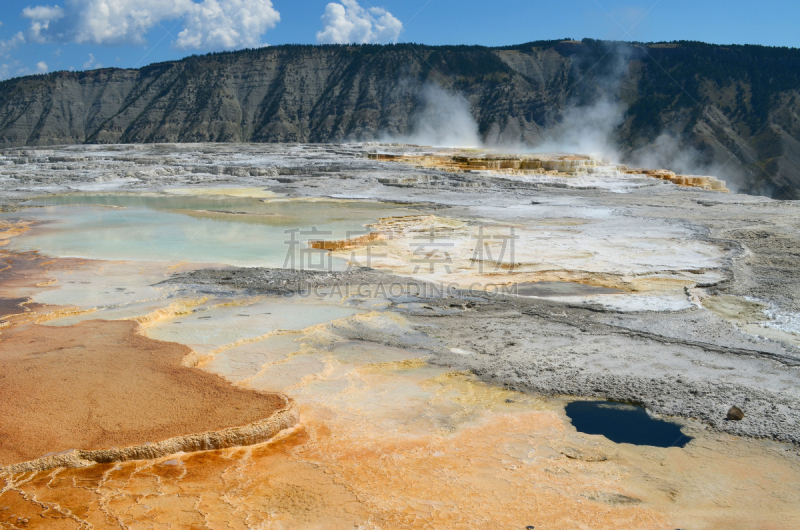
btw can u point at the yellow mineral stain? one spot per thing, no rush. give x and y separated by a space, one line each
748 315
61 313
173 310
736 309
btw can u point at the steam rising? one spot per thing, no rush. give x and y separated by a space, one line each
587 130
443 118
666 151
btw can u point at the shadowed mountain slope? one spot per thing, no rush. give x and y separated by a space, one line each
735 109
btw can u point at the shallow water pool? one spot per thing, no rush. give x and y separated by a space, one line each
238 231
623 423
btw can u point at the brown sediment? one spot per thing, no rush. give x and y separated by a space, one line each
99 385
252 487
563 165
15 306
99 391
26 270
19 273
499 459
9 229
250 434
552 165
345 244
319 477
383 230
691 181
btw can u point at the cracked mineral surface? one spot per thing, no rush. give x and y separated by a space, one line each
164 366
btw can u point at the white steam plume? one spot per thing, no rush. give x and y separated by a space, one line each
443 118
592 130
587 130
667 152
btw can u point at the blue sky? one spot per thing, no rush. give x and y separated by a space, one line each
37 36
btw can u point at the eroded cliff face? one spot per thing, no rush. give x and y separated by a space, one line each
708 98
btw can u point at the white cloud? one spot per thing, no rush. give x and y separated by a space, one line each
5 70
226 24
16 69
92 63
348 22
41 17
7 45
211 24
43 12
100 21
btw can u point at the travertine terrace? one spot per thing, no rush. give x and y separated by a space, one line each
417 377
564 166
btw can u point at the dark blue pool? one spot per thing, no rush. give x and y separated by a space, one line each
623 423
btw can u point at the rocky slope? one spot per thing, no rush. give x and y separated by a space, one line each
733 109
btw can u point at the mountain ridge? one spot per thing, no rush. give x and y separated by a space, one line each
734 109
